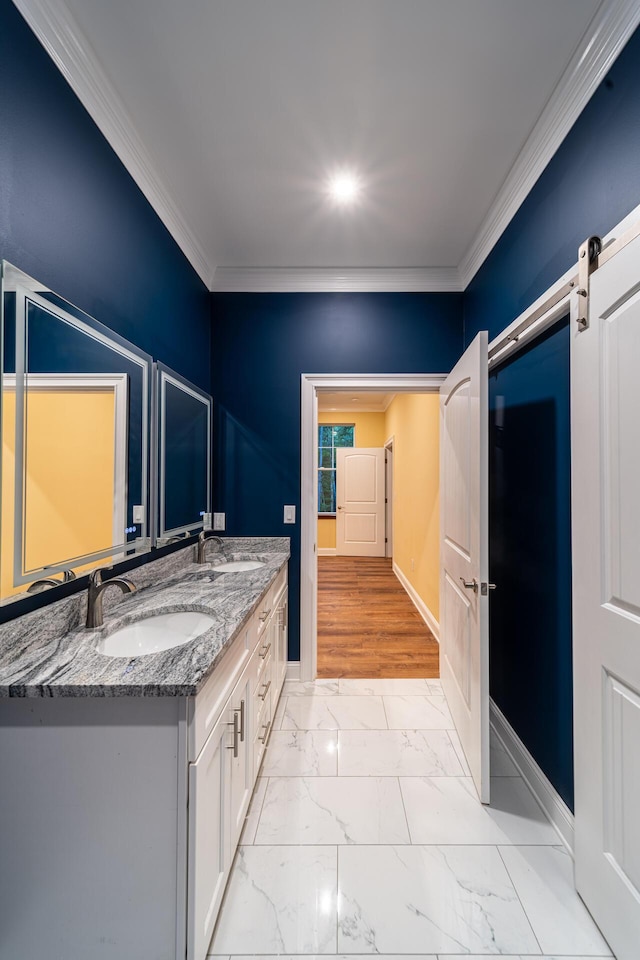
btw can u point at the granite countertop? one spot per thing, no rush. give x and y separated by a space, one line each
45 655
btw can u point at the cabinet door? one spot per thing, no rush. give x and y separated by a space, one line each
209 837
241 756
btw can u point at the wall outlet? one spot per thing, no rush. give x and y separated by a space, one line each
219 521
206 521
289 513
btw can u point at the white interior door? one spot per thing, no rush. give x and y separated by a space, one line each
464 555
360 506
605 429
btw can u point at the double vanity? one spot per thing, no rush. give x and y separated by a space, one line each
129 753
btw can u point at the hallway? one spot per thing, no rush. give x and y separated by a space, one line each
367 625
365 836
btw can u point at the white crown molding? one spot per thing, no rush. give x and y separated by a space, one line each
336 280
59 34
611 27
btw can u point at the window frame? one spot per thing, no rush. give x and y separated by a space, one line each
331 516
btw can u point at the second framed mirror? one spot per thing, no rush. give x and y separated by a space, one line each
182 421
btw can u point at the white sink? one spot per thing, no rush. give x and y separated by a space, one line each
238 566
154 634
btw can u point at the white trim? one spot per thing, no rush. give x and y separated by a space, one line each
560 309
310 383
602 42
541 787
418 602
293 670
74 57
327 552
336 280
82 382
388 496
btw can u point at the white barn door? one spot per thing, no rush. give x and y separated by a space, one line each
464 555
360 508
605 429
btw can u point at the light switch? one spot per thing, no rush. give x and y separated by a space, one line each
206 520
138 513
289 513
219 521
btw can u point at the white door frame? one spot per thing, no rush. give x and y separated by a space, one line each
310 384
388 496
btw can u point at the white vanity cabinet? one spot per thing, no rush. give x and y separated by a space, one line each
122 814
233 715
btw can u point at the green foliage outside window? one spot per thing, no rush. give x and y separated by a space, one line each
330 436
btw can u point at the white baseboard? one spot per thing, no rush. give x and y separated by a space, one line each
418 603
293 670
327 552
541 787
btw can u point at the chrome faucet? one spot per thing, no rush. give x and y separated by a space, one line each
201 548
39 585
96 589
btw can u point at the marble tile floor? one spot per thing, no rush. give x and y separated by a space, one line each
365 837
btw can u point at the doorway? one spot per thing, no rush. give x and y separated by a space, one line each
314 387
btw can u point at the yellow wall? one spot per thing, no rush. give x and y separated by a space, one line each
369 432
413 421
70 477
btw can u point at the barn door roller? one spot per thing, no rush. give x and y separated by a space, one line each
587 262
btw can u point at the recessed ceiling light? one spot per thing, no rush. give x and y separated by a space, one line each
344 188
354 399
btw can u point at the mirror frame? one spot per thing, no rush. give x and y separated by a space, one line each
164 375
27 291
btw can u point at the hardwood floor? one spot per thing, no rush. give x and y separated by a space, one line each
367 625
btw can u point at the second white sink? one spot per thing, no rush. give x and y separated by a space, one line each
238 566
154 634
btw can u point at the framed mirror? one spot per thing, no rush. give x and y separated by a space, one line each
182 428
75 440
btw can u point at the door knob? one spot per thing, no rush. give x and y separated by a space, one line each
339 508
470 584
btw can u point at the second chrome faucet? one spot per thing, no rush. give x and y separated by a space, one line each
201 549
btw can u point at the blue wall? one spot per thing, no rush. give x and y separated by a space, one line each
262 343
591 184
72 217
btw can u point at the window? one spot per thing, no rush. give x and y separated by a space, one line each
330 436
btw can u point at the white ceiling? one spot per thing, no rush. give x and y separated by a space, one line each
238 110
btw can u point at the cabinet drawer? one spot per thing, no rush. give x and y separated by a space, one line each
205 709
262 694
264 652
268 605
264 723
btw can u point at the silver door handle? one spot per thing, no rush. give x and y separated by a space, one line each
242 721
263 696
470 584
266 732
236 733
